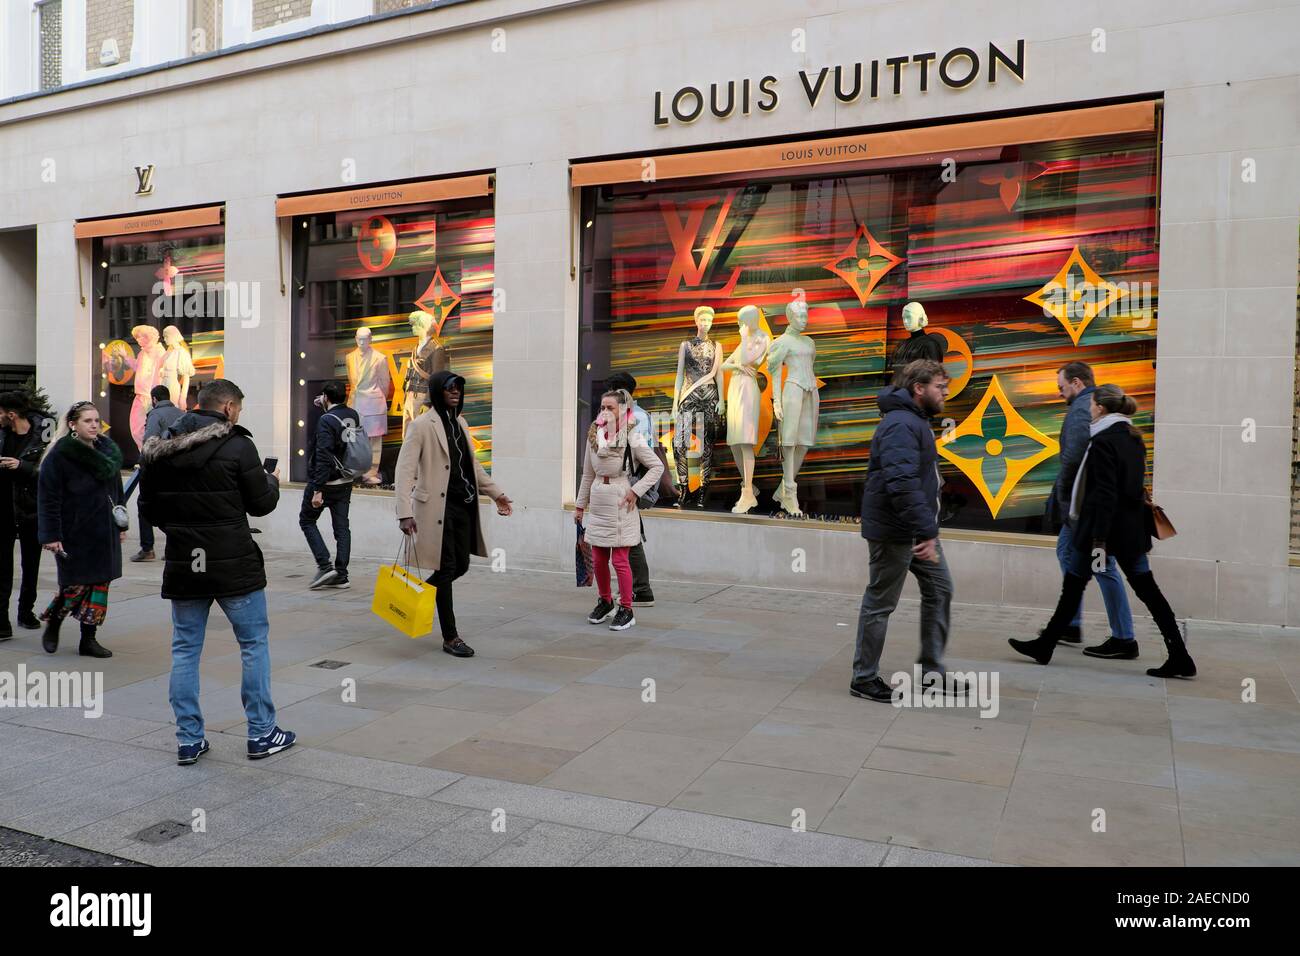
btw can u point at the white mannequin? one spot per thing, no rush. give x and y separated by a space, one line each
743 397
370 384
794 404
427 357
177 366
914 317
148 371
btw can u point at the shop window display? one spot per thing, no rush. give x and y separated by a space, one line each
813 286
383 299
159 319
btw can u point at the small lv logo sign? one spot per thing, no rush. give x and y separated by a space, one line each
144 180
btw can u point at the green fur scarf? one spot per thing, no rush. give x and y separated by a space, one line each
103 461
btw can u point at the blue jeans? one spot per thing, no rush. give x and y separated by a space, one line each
247 615
1113 594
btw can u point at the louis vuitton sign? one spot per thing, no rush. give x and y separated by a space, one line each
956 69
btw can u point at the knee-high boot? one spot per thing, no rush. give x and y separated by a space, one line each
1042 647
1180 663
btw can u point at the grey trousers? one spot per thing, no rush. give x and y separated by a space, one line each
890 562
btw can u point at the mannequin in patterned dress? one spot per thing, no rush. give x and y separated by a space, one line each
697 404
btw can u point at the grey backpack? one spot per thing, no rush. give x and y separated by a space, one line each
356 458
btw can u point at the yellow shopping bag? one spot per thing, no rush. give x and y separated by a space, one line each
403 600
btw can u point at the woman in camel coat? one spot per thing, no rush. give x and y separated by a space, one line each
438 482
607 500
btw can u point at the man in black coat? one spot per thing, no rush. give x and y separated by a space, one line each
24 434
200 483
328 487
900 520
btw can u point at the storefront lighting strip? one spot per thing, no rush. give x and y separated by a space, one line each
370 197
824 151
148 222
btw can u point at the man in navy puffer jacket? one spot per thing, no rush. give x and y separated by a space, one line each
900 520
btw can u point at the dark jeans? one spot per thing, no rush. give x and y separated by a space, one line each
890 562
29 551
640 567
146 529
459 523
337 499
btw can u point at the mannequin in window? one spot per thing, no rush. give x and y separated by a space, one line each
371 386
148 371
743 397
428 356
697 404
795 403
177 366
919 344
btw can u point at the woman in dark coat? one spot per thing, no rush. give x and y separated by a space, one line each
1109 507
80 482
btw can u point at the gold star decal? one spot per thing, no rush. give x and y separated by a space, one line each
995 448
1076 295
854 263
438 300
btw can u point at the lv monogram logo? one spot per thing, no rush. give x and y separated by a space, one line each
144 180
684 235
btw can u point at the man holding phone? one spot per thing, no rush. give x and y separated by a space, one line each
900 520
201 482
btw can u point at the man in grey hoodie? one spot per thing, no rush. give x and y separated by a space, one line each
161 417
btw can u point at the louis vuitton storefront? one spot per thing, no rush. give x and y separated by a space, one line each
1018 187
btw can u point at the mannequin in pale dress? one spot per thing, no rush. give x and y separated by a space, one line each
794 404
743 397
148 371
697 404
371 385
177 367
428 356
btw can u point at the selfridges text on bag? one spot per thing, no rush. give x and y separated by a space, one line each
402 599
356 458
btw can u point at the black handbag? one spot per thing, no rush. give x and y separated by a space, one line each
635 473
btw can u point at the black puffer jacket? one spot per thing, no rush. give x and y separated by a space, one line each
900 501
30 449
199 485
77 489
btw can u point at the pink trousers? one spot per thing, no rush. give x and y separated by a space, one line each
622 567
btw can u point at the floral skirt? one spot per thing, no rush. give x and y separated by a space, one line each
88 603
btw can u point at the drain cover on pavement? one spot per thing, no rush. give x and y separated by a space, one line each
331 665
162 832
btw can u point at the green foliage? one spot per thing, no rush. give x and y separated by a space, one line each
37 400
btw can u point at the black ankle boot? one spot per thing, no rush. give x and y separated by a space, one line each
91 647
1040 649
50 639
699 497
1179 664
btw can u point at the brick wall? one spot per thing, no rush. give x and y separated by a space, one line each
205 26
109 18
388 6
51 44
267 13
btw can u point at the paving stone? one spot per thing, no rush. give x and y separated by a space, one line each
909 856
365 771
758 841
555 806
546 844
462 842
629 851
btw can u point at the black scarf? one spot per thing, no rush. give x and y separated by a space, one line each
103 461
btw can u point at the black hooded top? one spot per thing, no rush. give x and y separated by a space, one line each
461 487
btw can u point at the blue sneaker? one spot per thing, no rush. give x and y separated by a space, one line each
272 743
190 753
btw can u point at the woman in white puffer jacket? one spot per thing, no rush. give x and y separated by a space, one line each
607 500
